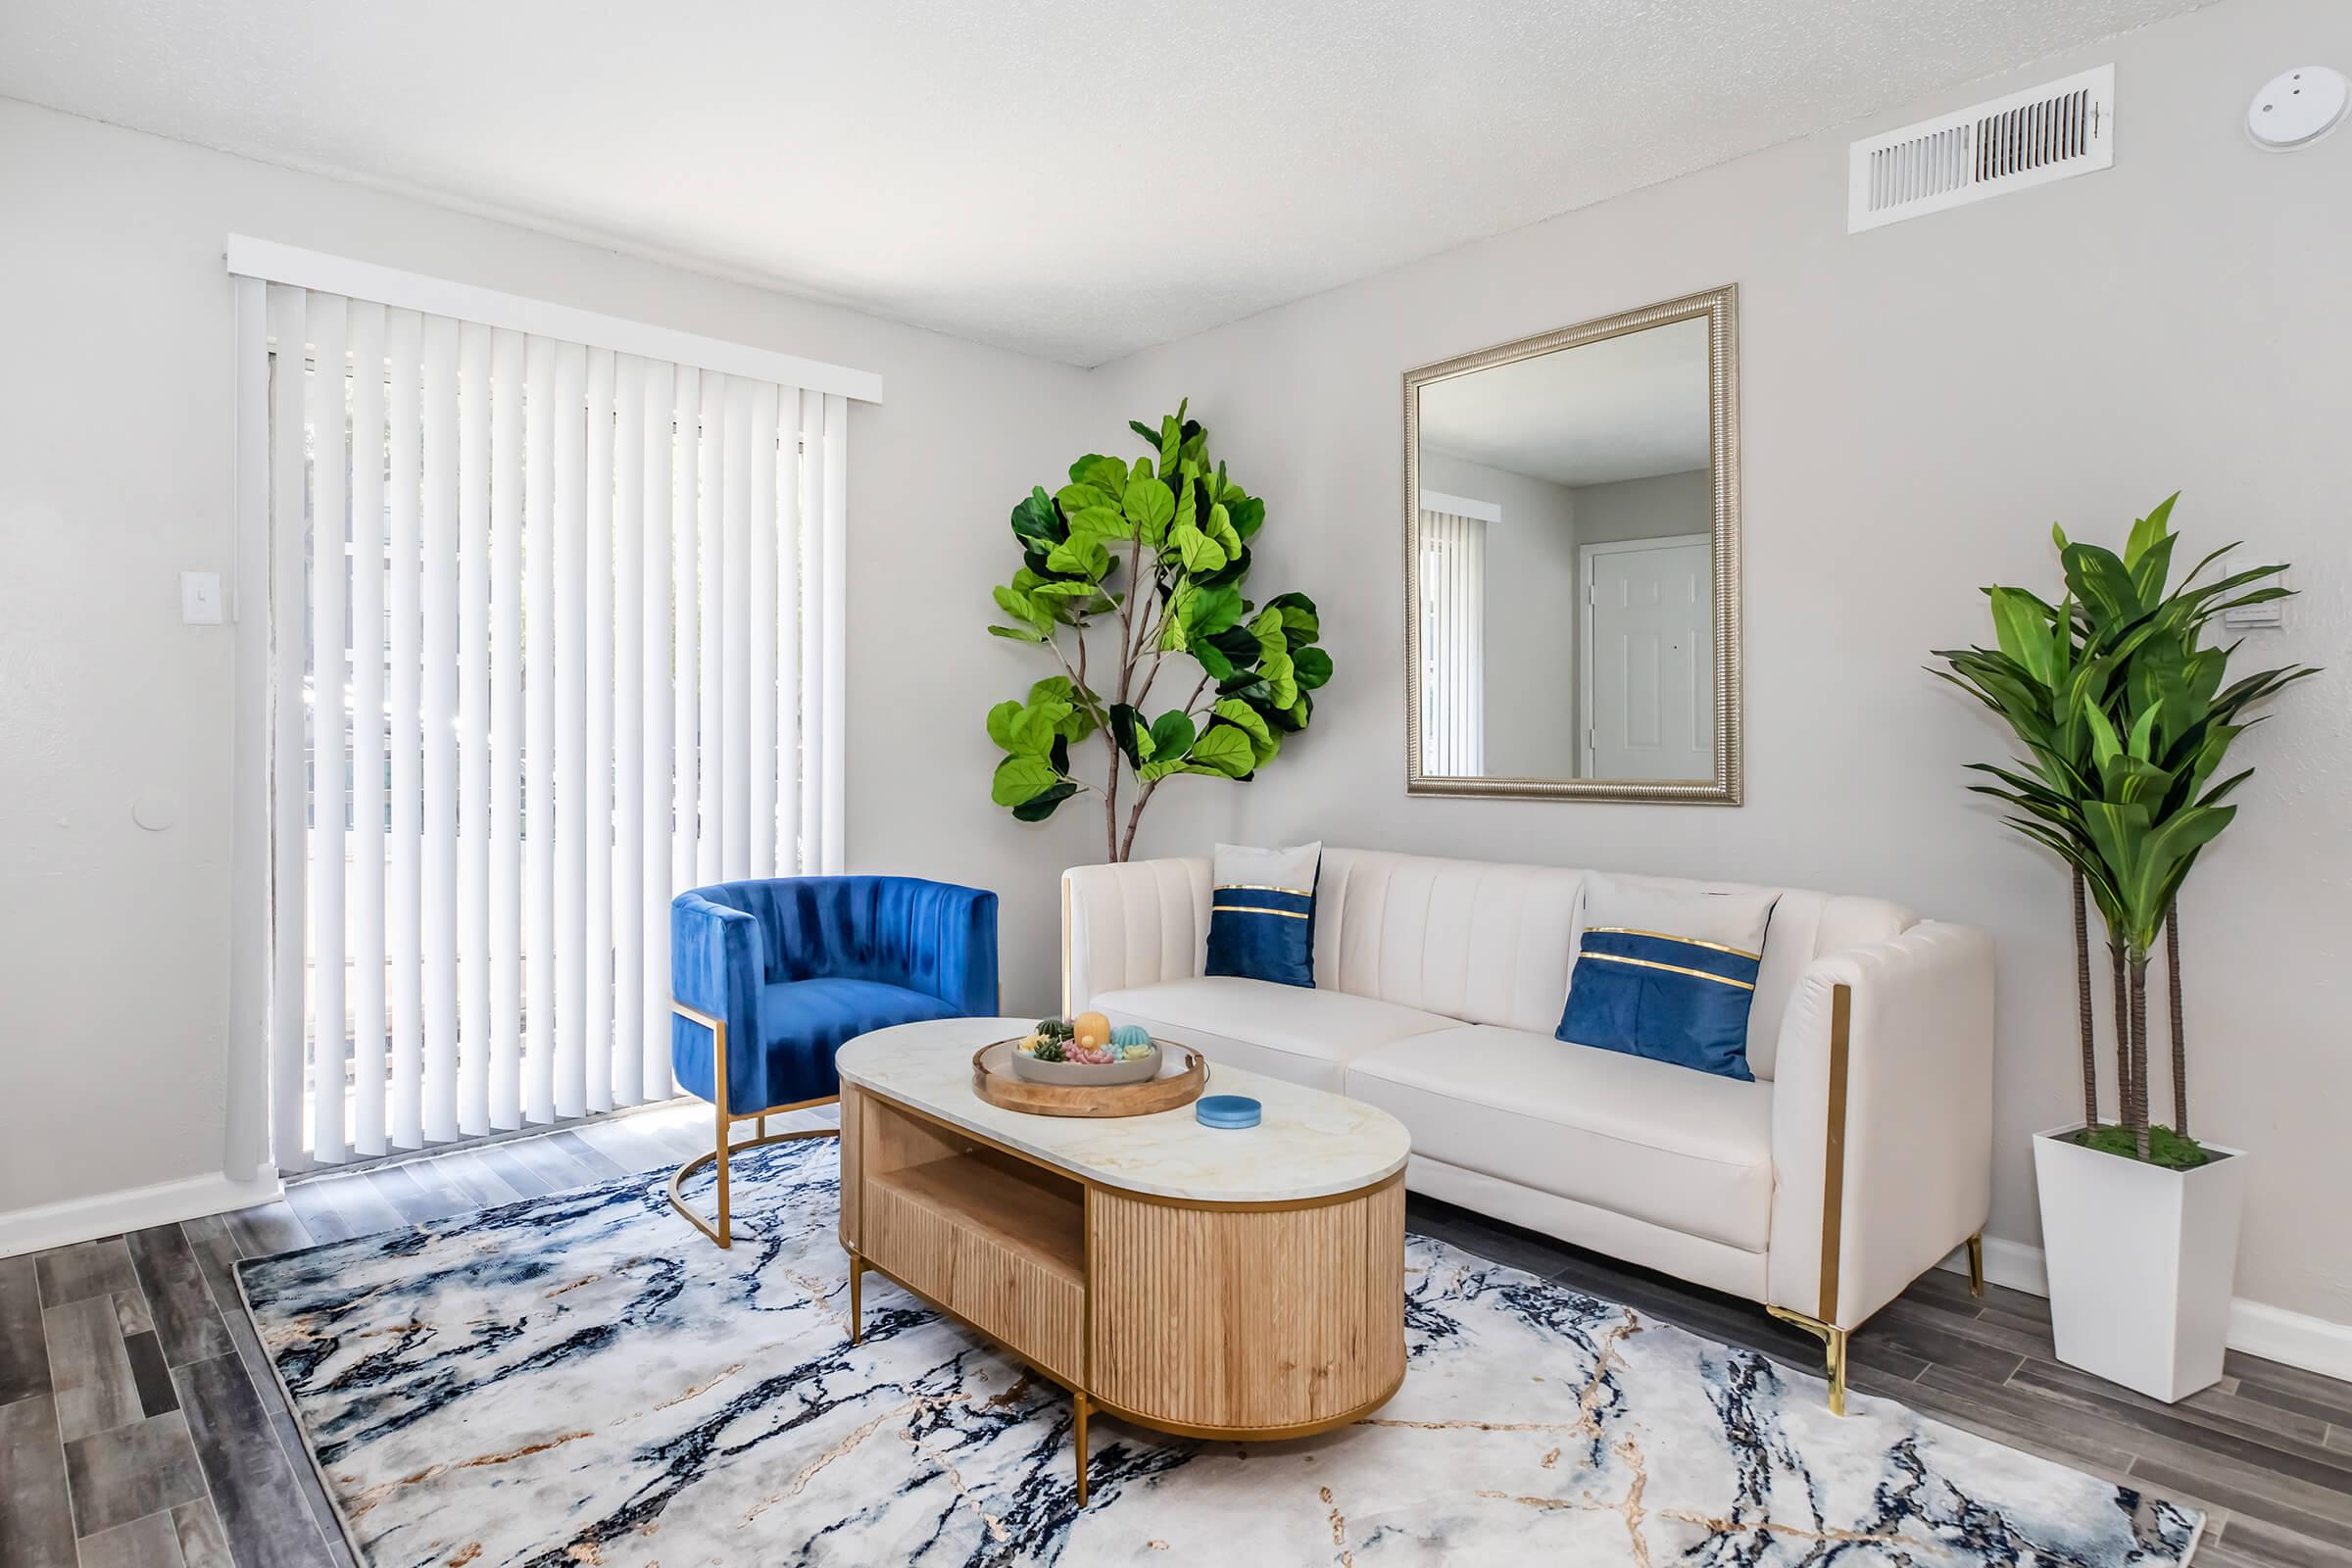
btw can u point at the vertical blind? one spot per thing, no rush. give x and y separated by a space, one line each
555 631
1454 643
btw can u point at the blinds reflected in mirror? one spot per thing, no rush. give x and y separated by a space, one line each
555 632
1453 641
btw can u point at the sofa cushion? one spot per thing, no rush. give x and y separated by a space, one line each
1288 1032
1688 1150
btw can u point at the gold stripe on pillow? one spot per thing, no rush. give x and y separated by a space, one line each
1670 968
1265 887
1667 936
1251 908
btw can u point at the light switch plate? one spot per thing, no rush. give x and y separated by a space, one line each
200 598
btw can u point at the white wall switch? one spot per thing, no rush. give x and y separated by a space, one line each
200 598
2269 616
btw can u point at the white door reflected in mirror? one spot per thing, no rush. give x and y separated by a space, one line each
1562 531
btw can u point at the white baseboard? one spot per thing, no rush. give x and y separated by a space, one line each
82 1220
2257 1328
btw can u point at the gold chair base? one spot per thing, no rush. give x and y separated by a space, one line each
1832 1340
722 1233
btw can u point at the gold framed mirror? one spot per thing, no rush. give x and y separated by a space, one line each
1571 561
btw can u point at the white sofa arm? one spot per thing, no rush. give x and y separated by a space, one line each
1131 925
1882 1120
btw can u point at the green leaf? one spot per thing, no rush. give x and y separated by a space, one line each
2023 624
1076 497
1311 667
1248 513
1081 555
1017 633
1003 720
1150 509
1213 661
1133 741
1035 520
1220 528
1263 741
1102 524
1171 734
1106 475
1206 612
1037 808
1149 435
1197 549
1019 778
1226 749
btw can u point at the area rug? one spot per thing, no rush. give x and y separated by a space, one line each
580 1379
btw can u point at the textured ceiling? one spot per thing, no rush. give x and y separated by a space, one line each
1064 176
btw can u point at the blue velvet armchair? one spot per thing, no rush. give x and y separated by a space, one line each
769 979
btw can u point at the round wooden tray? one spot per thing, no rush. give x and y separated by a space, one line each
994 1082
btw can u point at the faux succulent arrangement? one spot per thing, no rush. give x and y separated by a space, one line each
1088 1039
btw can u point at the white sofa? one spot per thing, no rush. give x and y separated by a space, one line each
1858 1159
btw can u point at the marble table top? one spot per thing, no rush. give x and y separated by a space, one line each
1310 1144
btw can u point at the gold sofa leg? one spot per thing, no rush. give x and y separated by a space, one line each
723 1232
1976 1264
1832 1341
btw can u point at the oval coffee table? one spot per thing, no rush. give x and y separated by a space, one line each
1208 1283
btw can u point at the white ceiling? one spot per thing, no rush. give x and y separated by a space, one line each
1625 407
1066 177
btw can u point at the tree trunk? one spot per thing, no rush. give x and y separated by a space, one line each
2139 1036
2090 1046
2172 979
2123 1035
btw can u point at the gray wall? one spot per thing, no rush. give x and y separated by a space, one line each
1531 616
1920 402
1645 509
115 984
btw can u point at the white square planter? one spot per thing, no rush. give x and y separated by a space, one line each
2142 1262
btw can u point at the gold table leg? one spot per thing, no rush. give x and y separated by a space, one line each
1078 1406
856 1272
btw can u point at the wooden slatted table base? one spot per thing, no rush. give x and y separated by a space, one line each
1241 1321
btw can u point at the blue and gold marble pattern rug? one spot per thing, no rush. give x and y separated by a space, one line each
580 1379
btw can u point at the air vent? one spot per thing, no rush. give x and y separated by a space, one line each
2053 132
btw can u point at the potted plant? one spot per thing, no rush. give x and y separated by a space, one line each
2125 718
1156 552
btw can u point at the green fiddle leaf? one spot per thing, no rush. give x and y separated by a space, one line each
1004 722
1100 523
1160 767
1149 435
1213 661
1019 778
1133 741
1017 633
1037 808
1220 528
1197 549
1106 475
1150 509
1206 612
1171 734
1311 667
1281 678
1040 726
1249 513
1081 555
1224 749
1034 520
1171 440
1076 497
1242 715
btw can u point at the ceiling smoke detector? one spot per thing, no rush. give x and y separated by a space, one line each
2297 108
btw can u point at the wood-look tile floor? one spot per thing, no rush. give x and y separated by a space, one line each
140 1428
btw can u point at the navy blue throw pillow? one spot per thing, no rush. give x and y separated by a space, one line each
1639 988
1262 919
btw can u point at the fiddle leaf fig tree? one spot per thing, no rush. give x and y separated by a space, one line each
1132 578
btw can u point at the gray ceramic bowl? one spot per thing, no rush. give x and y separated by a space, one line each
1134 1070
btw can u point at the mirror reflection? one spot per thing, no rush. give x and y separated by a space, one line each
1563 539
